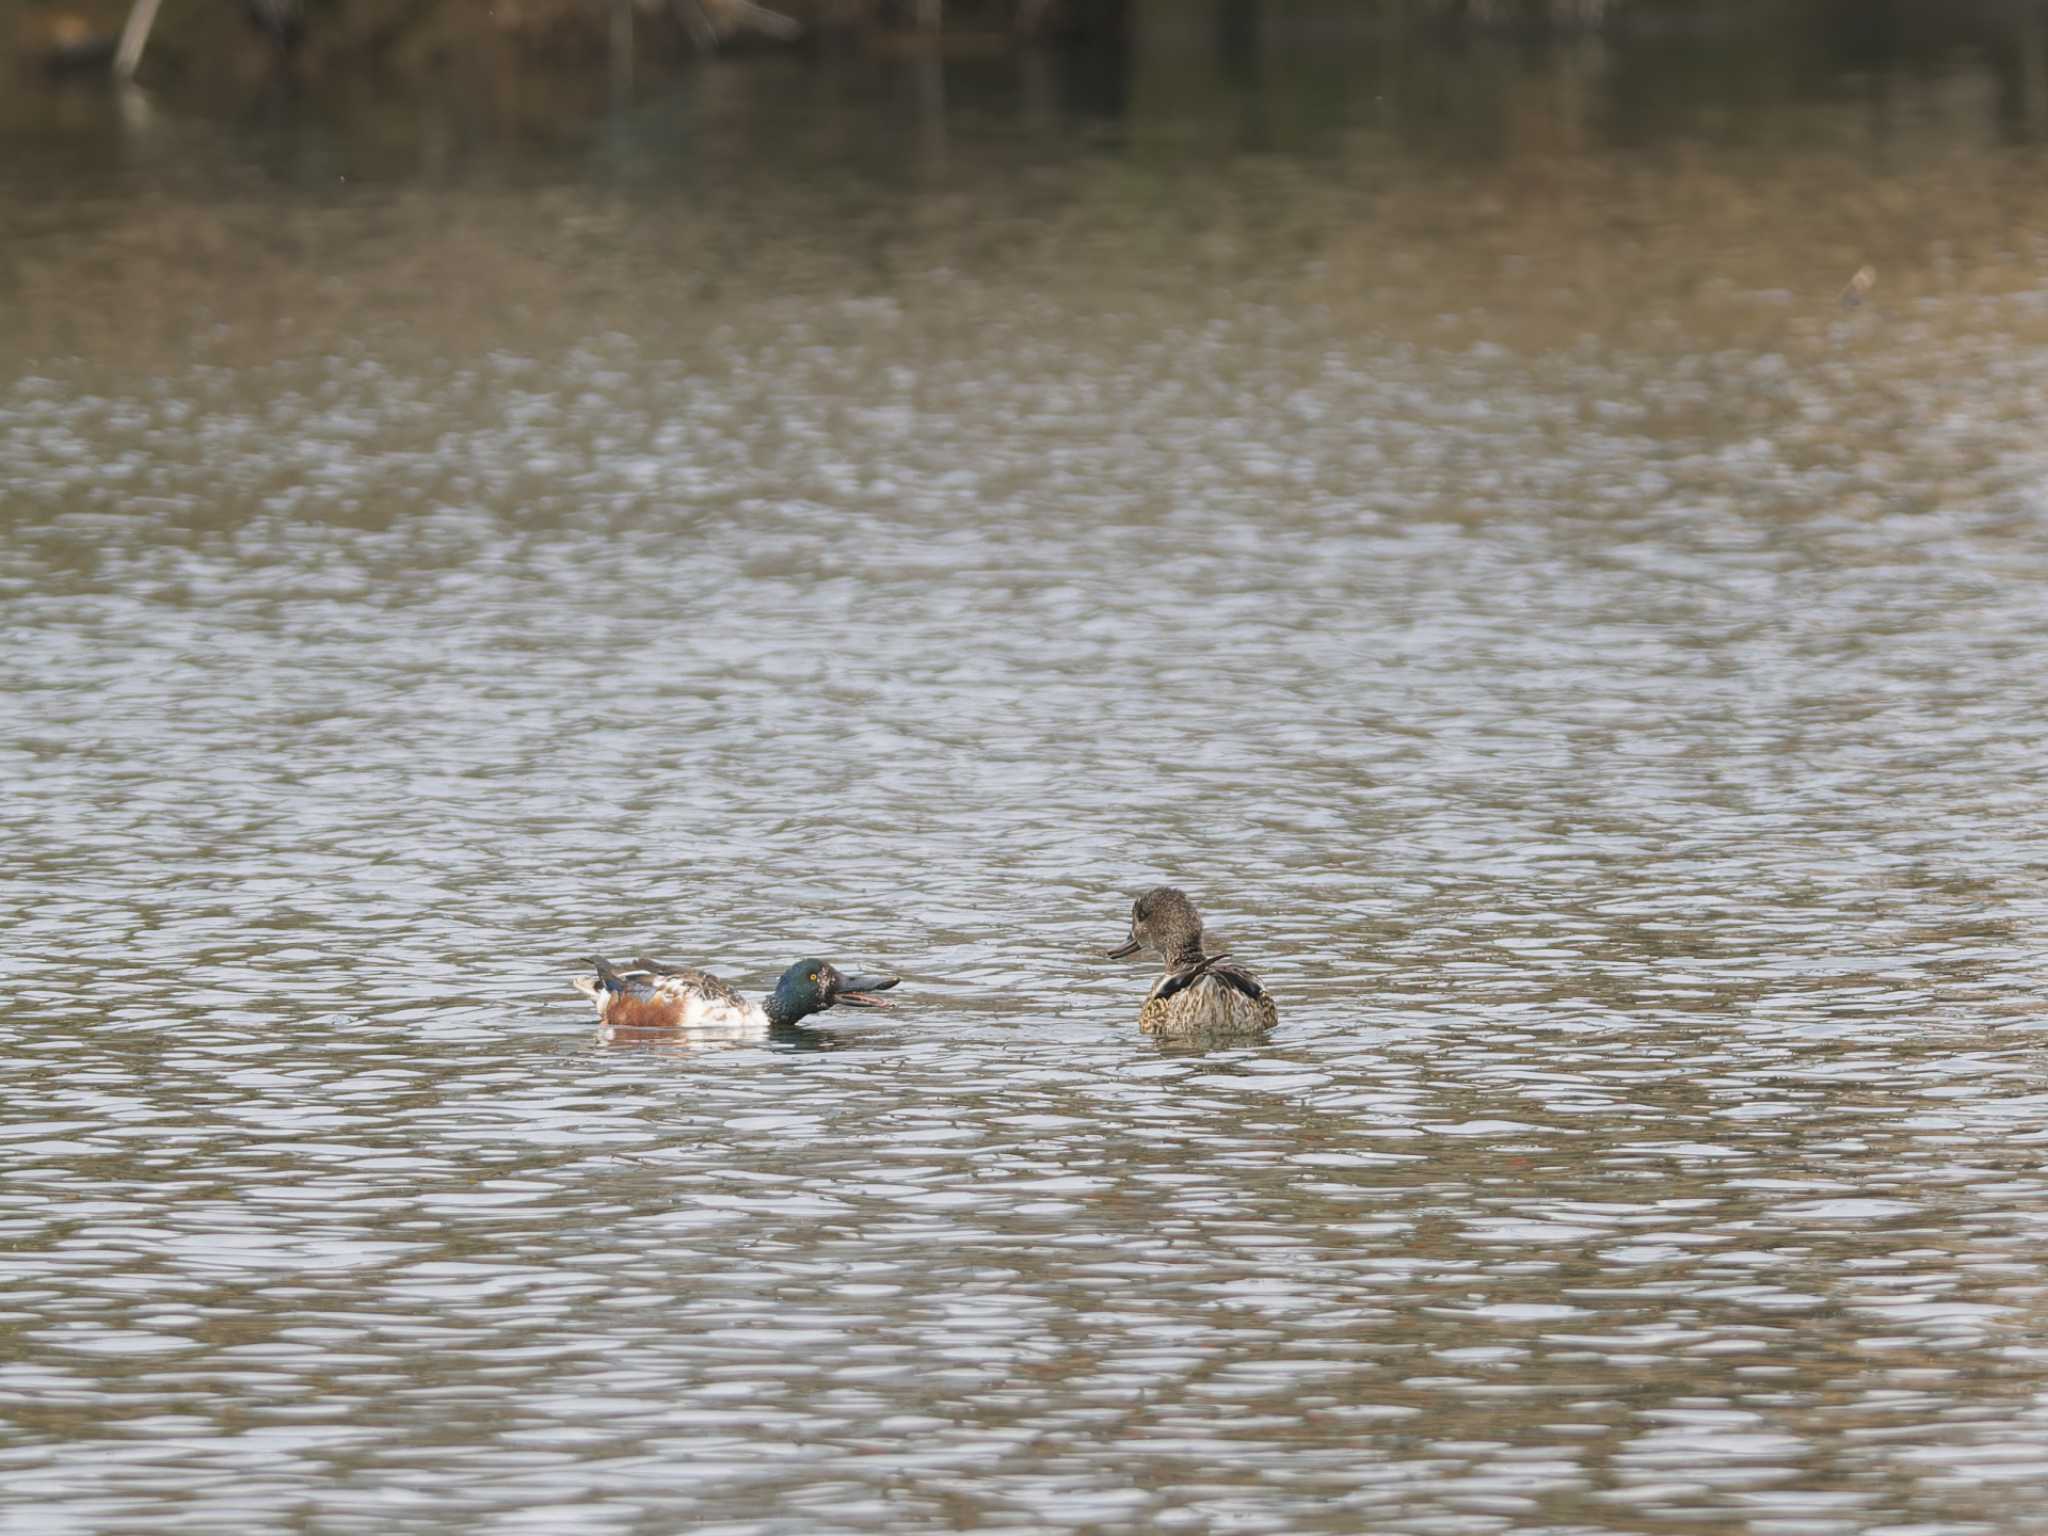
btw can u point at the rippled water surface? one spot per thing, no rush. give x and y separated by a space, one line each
1594 677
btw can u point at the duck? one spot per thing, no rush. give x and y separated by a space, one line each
1199 995
651 995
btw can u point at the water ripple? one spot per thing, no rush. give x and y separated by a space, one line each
1632 799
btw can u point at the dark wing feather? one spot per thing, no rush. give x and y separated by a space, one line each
1222 967
1228 970
631 982
681 978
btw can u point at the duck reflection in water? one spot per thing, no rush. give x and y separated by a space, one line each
793 1038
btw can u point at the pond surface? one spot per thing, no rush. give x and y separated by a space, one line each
1429 501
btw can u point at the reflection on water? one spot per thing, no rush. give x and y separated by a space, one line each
1462 539
777 1037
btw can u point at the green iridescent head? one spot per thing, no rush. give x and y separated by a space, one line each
812 986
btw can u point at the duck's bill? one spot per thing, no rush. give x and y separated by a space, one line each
1123 950
859 991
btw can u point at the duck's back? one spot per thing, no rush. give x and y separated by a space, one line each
1217 997
657 996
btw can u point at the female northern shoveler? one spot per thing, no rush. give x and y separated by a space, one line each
650 995
1199 994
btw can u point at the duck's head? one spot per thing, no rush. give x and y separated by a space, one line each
1163 920
812 986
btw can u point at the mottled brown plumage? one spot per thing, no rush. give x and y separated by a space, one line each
1199 996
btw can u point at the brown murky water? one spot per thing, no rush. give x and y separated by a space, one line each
1426 499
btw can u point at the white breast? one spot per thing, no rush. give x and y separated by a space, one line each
700 1012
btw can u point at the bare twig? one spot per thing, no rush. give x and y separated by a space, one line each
697 22
761 19
134 35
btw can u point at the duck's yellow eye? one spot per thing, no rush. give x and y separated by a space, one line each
814 976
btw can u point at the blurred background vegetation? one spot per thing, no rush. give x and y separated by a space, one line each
316 39
1517 171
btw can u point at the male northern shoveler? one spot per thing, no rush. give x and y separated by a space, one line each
1199 994
650 995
